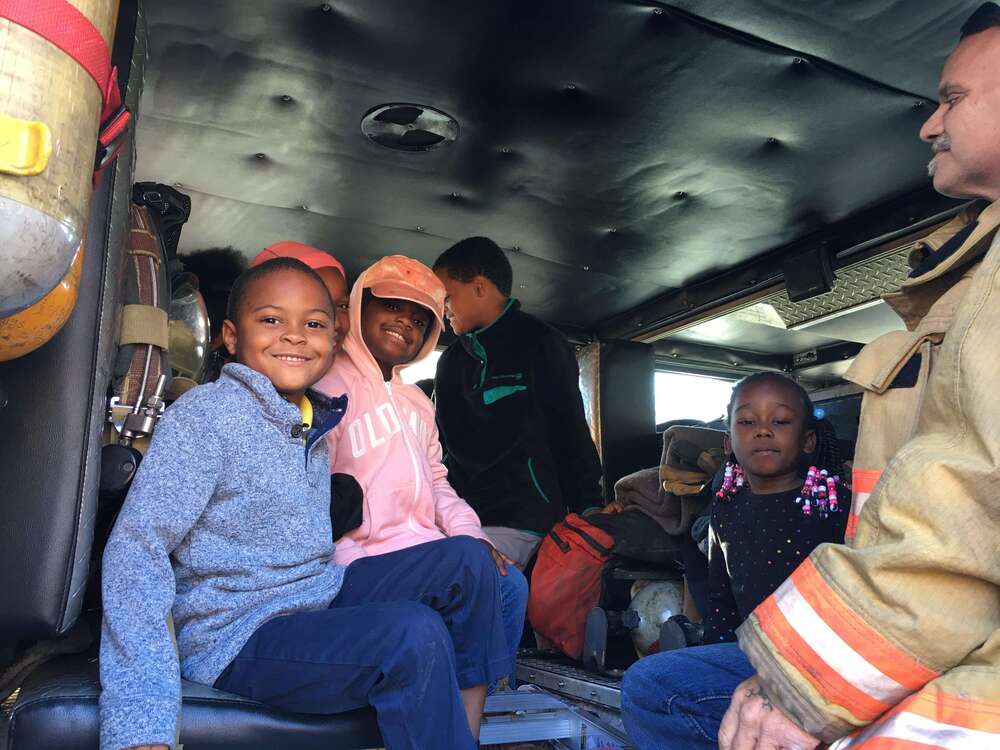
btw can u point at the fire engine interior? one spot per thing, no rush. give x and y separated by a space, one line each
711 188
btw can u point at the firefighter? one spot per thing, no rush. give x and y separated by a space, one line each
894 640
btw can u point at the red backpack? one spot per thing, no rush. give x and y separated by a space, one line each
566 582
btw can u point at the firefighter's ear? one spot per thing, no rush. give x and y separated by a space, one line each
809 442
229 336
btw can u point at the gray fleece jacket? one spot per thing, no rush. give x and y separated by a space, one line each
226 526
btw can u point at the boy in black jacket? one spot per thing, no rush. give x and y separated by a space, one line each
517 445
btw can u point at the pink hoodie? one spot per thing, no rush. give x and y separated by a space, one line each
388 440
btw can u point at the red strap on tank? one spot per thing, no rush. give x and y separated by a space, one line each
67 28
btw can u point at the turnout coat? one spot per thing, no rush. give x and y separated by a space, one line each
893 640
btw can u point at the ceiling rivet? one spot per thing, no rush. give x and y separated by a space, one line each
586 268
260 155
505 150
680 194
918 103
455 195
658 11
797 61
772 140
304 207
420 229
516 248
286 98
326 7
613 230
522 286
571 87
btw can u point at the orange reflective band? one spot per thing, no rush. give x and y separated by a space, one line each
864 480
852 527
945 708
827 681
887 743
858 634
906 729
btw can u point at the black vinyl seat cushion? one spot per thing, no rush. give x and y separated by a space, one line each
57 708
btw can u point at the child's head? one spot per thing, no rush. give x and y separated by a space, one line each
477 277
771 427
394 330
217 269
400 311
329 269
280 322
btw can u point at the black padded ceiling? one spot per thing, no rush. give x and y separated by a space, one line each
623 149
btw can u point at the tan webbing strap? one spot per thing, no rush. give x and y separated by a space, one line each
144 324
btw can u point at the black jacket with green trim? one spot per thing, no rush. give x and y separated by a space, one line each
511 419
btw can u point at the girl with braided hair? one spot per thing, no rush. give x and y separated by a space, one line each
781 497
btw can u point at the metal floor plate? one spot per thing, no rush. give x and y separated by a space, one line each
532 715
560 676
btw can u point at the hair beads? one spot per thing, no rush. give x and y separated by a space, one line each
820 492
732 481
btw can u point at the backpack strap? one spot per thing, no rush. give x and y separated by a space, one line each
65 27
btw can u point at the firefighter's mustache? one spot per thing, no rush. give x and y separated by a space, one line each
939 144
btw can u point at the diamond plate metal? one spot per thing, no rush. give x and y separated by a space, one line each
854 286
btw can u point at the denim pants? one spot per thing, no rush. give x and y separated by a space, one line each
513 606
676 700
406 632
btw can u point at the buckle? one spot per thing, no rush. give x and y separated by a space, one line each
112 136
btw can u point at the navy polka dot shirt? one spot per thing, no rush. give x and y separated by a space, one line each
755 542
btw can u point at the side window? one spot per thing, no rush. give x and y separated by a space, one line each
422 370
684 396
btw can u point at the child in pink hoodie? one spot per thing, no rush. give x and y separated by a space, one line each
388 439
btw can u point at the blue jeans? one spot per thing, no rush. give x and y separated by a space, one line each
513 605
406 632
676 700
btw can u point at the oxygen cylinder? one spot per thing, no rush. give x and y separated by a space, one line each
50 111
25 331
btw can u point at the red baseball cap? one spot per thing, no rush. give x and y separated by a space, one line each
311 256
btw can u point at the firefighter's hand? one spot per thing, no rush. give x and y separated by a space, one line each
613 507
498 557
754 723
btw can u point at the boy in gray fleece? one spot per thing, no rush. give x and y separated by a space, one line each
227 529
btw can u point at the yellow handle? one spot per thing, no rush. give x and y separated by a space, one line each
25 146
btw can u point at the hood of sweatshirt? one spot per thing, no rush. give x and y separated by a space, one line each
395 277
388 440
